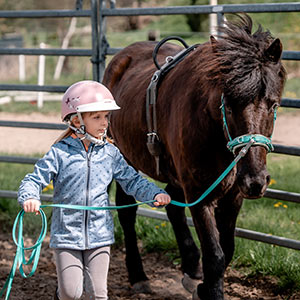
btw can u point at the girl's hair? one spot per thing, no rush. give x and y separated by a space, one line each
65 134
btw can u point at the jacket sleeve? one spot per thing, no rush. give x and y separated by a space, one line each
132 182
33 184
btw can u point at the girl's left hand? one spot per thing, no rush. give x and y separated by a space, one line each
162 199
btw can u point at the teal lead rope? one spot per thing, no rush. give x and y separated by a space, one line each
20 260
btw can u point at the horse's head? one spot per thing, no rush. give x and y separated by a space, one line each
252 83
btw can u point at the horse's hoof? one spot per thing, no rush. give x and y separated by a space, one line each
188 283
195 295
142 287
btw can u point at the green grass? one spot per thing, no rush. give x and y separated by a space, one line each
270 216
49 107
11 176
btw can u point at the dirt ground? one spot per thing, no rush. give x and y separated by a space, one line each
165 278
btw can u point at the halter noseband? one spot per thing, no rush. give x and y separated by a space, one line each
242 140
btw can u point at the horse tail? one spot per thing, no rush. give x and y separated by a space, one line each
115 70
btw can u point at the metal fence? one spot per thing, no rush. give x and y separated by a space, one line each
98 13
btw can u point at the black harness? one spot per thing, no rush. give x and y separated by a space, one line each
153 141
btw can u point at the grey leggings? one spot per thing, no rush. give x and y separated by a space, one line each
74 266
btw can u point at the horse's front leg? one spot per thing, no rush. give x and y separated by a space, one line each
189 252
127 218
213 258
226 214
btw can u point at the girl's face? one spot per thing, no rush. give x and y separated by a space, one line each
96 123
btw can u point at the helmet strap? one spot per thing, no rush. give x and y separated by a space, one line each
81 130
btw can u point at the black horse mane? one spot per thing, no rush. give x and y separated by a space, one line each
237 61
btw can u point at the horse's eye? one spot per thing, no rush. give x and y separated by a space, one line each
229 110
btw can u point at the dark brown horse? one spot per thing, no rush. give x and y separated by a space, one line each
245 71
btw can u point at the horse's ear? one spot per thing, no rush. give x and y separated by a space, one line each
273 53
213 41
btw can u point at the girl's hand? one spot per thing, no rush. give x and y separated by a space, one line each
162 199
32 205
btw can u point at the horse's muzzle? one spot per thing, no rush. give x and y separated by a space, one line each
253 187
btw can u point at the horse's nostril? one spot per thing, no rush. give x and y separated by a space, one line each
268 179
255 189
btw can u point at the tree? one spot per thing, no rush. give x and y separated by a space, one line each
197 22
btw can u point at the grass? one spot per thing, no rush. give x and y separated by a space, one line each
30 107
274 217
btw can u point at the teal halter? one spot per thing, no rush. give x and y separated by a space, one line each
242 140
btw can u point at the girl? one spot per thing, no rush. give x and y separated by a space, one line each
82 164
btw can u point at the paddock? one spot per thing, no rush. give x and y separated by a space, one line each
98 13
100 49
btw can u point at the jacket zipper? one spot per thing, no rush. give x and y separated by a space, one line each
87 200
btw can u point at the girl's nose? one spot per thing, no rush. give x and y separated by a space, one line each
104 122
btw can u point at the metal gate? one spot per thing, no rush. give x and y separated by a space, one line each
98 12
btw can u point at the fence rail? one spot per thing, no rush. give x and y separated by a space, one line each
62 13
239 232
52 52
203 9
100 49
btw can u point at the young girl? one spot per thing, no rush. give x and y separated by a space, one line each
82 164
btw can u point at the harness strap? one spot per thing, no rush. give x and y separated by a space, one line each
153 141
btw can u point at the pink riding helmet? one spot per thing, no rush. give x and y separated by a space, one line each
87 96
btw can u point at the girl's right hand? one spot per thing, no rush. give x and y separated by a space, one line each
32 205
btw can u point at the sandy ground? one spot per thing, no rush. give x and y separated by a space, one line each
28 141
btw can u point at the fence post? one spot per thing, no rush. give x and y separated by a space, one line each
65 45
22 73
95 39
213 21
103 44
41 76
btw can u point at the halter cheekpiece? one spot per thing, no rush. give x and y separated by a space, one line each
242 140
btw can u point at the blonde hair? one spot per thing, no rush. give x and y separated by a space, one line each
64 135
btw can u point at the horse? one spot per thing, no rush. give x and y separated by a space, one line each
223 91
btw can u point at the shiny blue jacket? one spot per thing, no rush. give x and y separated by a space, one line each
81 177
